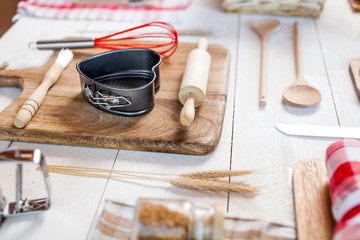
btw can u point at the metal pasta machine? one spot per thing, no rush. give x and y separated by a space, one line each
24 206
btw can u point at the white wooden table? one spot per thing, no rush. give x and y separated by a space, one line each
249 139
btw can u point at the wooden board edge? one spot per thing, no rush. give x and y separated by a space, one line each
19 135
312 200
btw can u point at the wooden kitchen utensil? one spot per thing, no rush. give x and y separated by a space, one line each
300 93
354 68
194 82
264 28
355 4
33 103
66 118
312 200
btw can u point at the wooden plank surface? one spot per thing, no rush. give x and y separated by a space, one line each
312 200
338 56
66 118
262 146
19 56
248 139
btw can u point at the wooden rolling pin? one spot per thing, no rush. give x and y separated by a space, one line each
194 82
33 103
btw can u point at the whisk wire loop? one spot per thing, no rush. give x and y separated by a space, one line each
166 48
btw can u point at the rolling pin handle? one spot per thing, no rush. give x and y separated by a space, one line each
32 104
202 44
187 114
26 113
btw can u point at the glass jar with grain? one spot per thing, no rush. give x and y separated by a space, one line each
160 219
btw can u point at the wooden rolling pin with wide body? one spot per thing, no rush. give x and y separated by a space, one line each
194 82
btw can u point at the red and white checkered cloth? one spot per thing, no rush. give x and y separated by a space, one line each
65 9
343 166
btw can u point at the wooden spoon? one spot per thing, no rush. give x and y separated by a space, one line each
300 93
264 28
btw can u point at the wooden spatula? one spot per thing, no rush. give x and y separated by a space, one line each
264 27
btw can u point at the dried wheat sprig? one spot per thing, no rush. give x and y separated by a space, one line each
86 174
107 170
216 173
210 185
182 182
199 174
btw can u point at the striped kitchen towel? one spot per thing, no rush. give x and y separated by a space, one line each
165 10
343 166
115 223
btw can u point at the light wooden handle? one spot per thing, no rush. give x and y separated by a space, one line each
187 114
297 50
355 74
32 104
263 74
202 44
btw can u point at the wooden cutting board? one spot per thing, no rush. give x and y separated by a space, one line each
314 220
66 118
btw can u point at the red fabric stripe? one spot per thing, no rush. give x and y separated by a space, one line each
333 148
347 216
343 181
351 213
346 170
339 144
112 7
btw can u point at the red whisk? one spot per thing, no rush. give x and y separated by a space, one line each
159 36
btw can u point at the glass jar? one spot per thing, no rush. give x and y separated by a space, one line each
160 219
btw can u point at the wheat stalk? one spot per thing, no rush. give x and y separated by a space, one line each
210 185
90 174
200 174
87 169
216 174
203 180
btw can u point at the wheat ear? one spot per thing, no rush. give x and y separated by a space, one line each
216 174
210 185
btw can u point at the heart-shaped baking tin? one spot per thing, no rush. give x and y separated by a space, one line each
122 82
